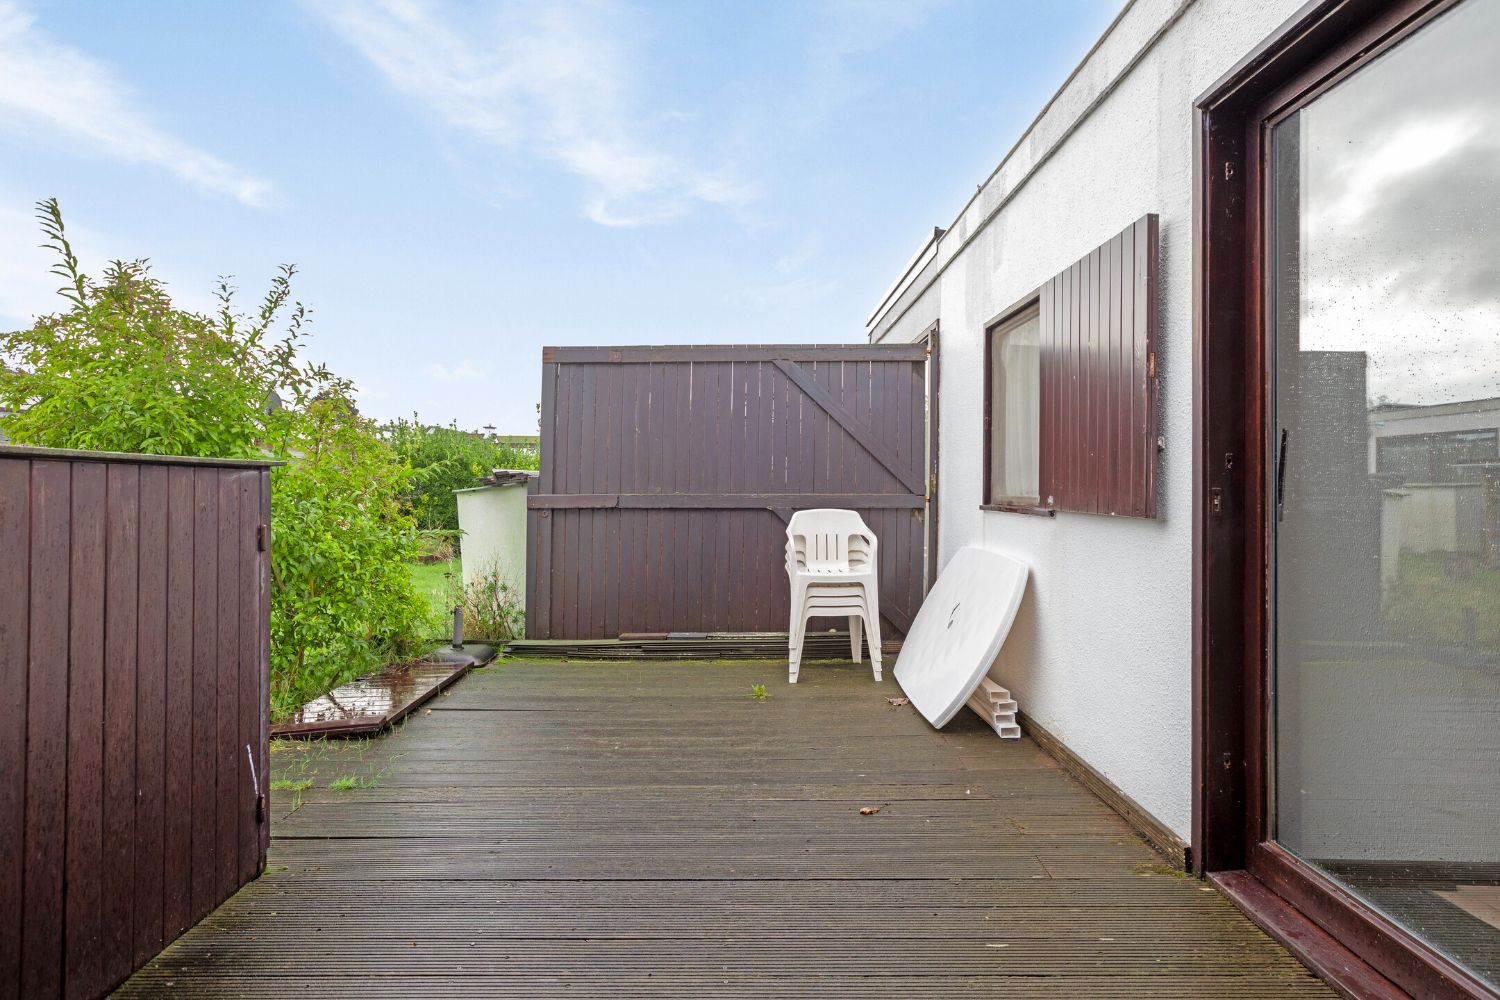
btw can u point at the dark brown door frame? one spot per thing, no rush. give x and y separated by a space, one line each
1335 933
934 379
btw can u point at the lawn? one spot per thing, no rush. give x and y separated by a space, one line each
437 582
1434 591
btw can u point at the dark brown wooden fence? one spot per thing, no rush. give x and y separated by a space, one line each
668 475
134 654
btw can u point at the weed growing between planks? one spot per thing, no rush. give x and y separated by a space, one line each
337 764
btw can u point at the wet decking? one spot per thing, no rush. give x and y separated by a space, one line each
634 830
368 704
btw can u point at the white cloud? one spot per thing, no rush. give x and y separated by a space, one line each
465 371
547 79
1361 173
807 250
780 298
50 90
843 32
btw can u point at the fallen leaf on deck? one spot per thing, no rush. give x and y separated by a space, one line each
869 810
896 702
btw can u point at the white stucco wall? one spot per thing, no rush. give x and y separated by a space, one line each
1100 654
493 522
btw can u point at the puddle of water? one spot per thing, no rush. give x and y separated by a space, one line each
374 696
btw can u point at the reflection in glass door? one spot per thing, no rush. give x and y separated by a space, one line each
1384 275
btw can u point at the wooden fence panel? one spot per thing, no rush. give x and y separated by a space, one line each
177 828
668 475
134 652
205 713
46 730
150 713
250 704
15 541
230 776
84 723
121 615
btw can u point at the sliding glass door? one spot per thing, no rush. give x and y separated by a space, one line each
1382 241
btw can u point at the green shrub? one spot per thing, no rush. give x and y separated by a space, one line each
492 610
444 459
342 599
122 369
435 545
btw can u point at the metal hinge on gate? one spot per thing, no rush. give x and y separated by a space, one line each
262 533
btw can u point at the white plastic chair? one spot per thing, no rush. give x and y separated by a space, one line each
832 568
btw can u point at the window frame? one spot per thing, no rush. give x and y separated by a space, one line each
1031 302
1336 934
1098 439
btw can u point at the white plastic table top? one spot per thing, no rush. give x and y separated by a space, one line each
959 630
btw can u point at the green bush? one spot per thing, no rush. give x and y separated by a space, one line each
342 598
122 369
444 459
493 612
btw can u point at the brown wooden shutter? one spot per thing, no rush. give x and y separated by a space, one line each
1098 379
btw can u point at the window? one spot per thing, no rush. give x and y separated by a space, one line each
1446 457
1015 409
1345 689
1382 313
1071 388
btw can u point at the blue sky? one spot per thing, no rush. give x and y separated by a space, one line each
461 184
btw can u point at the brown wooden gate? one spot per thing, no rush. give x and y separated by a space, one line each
668 475
134 671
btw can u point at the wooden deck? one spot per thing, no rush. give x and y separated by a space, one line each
634 830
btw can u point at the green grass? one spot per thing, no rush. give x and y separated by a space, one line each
296 787
1432 591
436 582
349 781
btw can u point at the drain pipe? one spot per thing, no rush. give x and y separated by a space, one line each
458 627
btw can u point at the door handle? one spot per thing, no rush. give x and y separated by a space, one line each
1281 478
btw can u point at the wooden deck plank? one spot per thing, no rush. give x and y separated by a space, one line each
636 829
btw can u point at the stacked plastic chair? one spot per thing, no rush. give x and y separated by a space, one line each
831 566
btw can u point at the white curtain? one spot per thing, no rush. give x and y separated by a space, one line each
1017 411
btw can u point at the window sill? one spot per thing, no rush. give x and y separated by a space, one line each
1019 508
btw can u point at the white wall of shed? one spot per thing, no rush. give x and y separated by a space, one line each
1101 653
493 523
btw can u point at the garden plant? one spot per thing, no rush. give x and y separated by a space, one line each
121 368
444 459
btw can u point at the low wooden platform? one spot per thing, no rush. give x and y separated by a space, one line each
367 705
641 830
659 646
